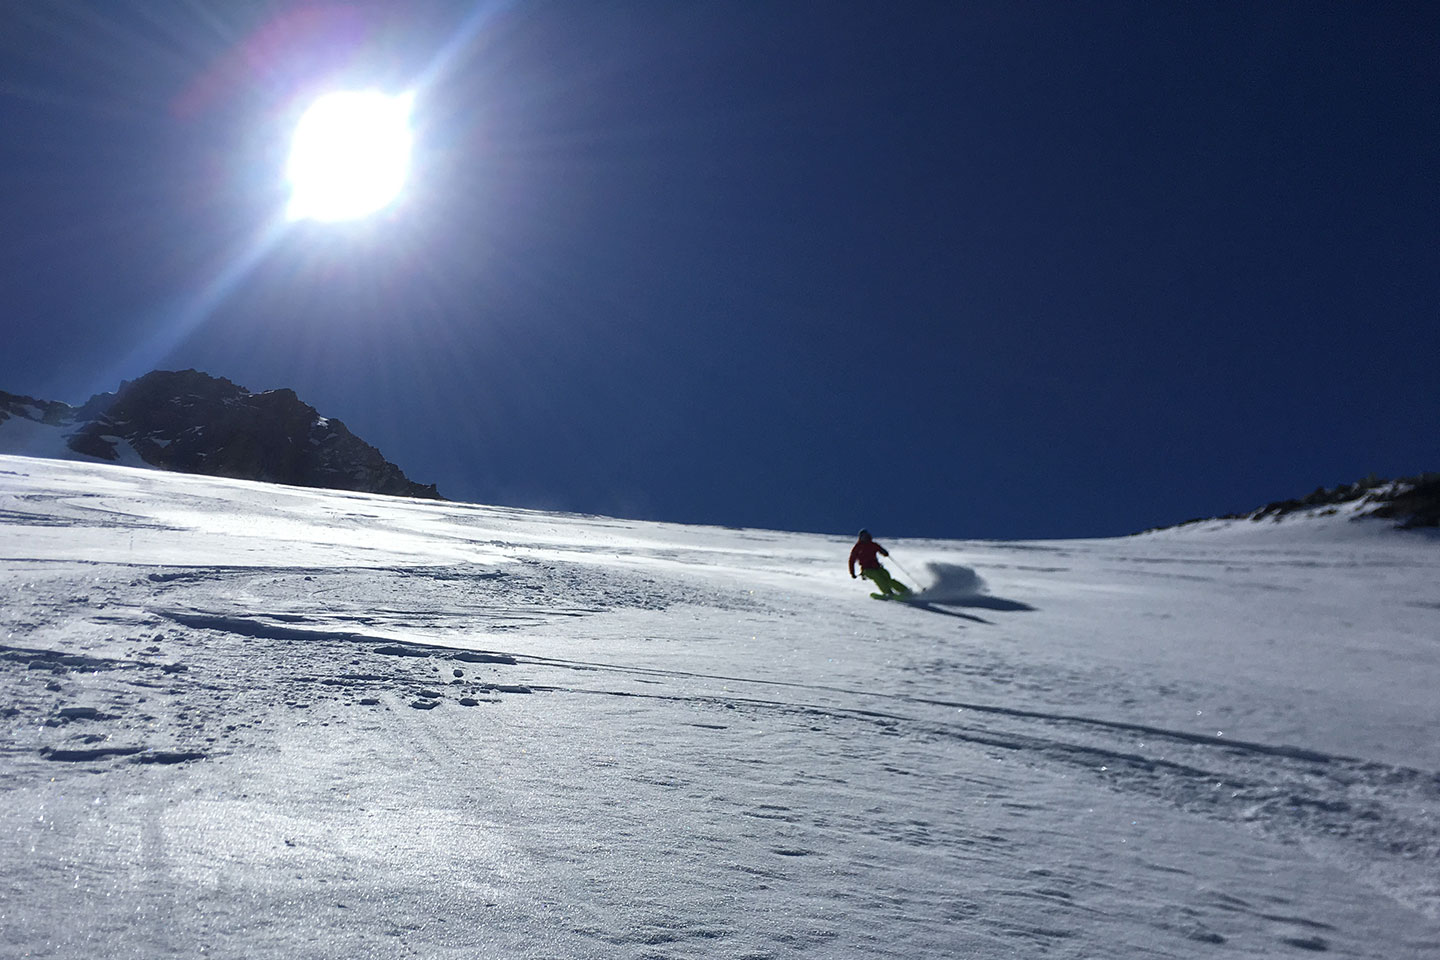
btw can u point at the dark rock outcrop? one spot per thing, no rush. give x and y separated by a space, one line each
49 412
1418 505
191 422
1410 502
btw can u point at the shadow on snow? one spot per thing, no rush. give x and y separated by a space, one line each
954 585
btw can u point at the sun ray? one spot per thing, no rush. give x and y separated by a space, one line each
178 321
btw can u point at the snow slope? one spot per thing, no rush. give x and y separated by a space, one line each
28 436
257 721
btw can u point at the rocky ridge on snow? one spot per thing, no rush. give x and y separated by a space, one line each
1410 503
190 422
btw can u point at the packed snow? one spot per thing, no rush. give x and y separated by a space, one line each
245 720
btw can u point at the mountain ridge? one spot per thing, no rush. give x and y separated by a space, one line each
188 421
1411 503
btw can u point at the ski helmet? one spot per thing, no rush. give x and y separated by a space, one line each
864 534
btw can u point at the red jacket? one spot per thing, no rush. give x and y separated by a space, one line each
865 551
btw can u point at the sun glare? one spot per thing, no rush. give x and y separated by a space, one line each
350 155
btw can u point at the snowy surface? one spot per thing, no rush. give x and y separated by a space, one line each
33 438
256 721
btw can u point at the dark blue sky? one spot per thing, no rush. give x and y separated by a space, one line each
940 269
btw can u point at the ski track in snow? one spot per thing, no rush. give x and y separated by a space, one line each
254 721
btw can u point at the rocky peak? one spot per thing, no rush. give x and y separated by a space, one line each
191 422
1408 503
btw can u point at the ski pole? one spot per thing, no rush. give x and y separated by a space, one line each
907 573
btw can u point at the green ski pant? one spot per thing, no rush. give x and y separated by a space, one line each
884 581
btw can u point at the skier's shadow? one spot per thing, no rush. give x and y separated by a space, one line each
932 608
954 585
982 601
987 603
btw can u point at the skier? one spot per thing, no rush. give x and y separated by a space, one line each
864 551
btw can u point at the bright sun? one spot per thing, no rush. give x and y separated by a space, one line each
350 155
